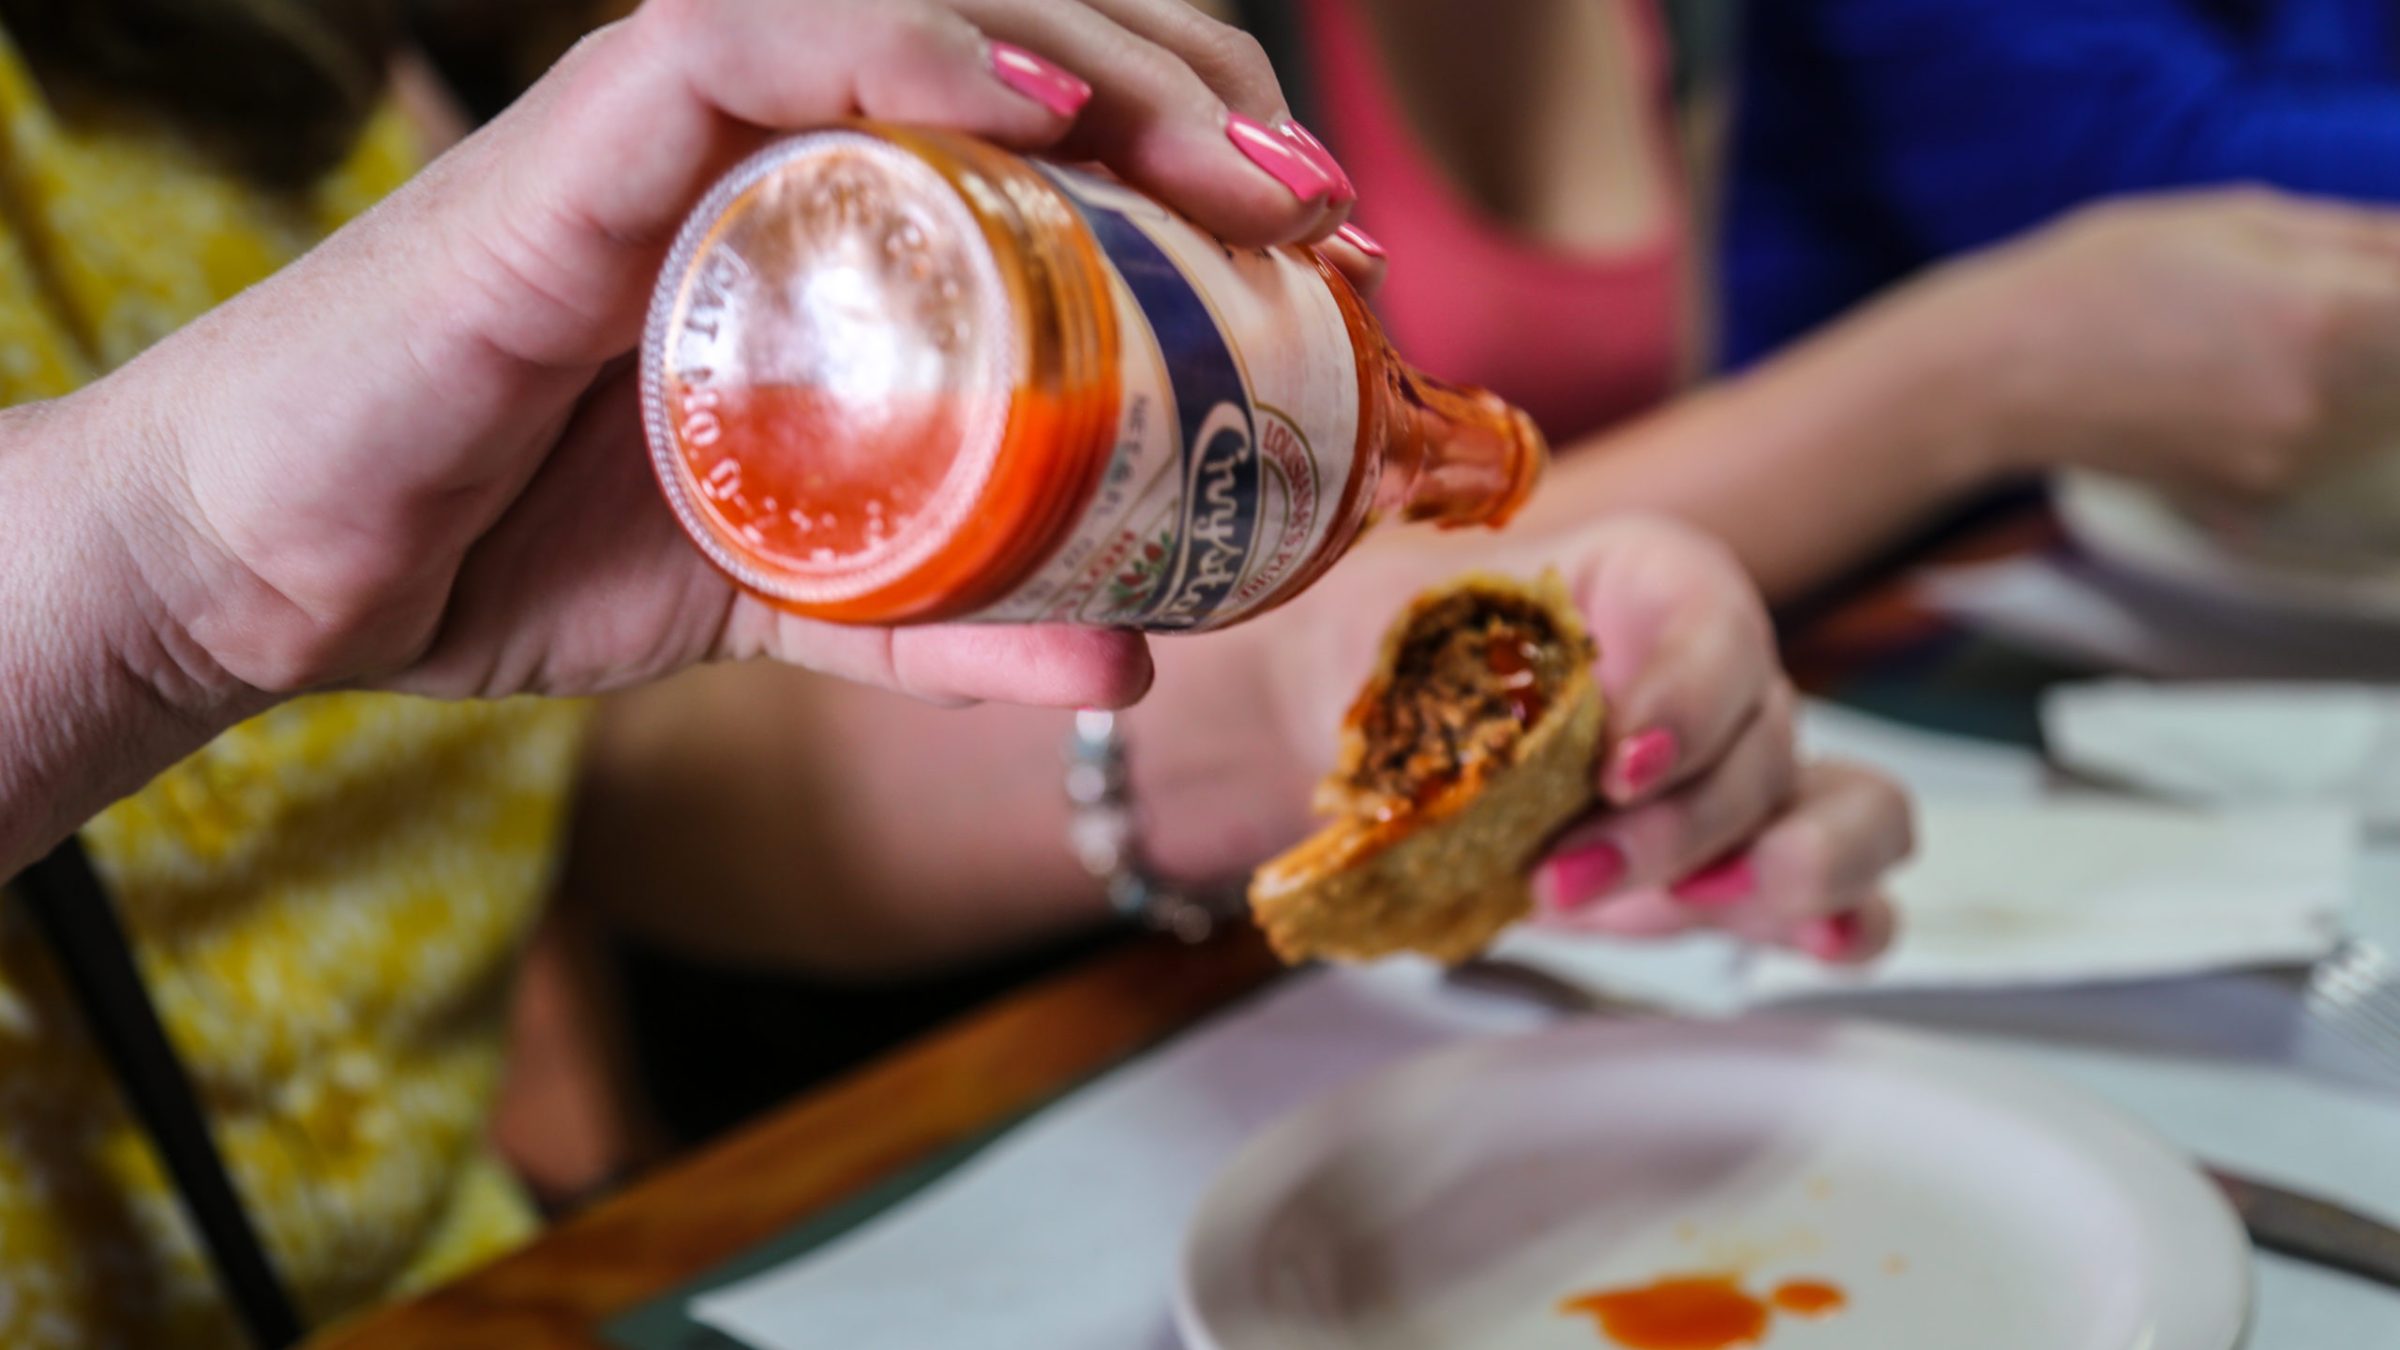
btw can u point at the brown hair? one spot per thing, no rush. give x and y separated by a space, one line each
278 88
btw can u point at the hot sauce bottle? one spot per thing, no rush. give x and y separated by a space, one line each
898 376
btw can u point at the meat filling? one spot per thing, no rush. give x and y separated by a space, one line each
1473 674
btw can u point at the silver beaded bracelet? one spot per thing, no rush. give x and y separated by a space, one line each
1106 839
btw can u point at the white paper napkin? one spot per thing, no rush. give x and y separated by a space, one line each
2084 889
2017 885
2236 744
1932 765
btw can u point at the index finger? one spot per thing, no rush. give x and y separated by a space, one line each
624 135
583 185
1187 109
1359 257
1681 685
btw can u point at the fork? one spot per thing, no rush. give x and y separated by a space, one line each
2356 992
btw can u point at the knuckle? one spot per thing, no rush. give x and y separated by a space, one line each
1682 568
2269 454
1804 860
2119 219
287 664
2246 207
678 21
290 648
1659 842
2304 411
2253 199
1782 775
1889 805
2281 420
1727 816
1738 597
1780 711
1703 548
913 30
2264 469
588 48
2315 329
1172 86
1777 772
1228 56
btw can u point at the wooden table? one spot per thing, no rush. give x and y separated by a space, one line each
1013 1055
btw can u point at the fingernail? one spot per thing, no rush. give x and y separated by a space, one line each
1279 157
1576 878
1300 136
1043 82
1831 938
1720 883
1643 762
1359 239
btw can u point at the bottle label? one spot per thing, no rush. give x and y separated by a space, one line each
1236 434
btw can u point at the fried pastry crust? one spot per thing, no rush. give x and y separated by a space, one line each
1469 747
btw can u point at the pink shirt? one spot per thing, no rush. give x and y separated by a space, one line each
1579 339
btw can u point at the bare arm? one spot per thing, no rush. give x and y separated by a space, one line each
755 815
764 816
760 815
93 699
2223 345
1807 464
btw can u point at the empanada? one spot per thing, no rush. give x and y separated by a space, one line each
1470 746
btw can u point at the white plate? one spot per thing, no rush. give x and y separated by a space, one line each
1455 1200
2133 529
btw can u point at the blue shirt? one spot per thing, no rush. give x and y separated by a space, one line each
1877 136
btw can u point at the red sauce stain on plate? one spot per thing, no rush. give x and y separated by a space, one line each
1680 1312
1809 1298
1699 1312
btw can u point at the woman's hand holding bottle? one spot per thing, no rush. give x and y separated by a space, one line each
412 460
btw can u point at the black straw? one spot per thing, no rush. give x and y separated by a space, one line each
73 912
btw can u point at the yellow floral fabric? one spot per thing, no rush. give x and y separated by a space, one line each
328 900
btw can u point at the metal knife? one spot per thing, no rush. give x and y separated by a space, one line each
2280 1220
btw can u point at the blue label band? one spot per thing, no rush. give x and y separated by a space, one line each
1217 432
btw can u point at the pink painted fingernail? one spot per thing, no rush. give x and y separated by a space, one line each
1359 239
1308 144
1720 883
1045 83
1576 878
1643 762
1831 938
1279 157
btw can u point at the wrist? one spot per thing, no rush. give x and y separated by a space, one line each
1218 784
99 689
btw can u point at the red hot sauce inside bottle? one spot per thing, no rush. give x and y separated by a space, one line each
898 376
